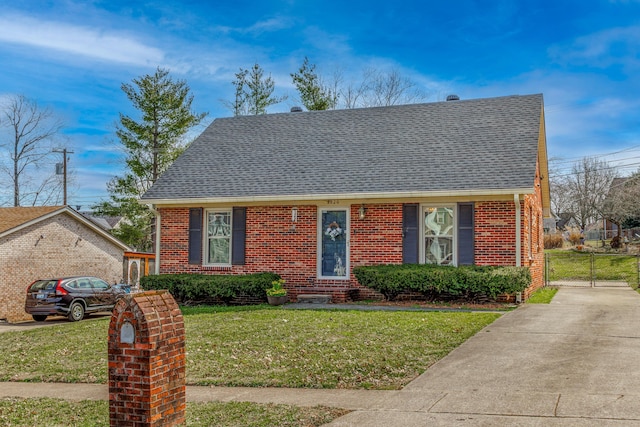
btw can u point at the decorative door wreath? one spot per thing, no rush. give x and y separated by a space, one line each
333 230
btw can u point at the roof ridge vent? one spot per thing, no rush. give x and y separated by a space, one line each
453 97
296 109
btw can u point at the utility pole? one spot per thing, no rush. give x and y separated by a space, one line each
64 152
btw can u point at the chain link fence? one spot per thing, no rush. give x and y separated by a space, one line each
574 268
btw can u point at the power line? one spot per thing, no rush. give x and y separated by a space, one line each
618 164
574 159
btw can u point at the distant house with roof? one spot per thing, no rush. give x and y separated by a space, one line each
106 222
51 241
311 195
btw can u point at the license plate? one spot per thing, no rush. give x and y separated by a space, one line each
41 296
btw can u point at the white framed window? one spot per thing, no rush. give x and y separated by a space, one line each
438 228
217 242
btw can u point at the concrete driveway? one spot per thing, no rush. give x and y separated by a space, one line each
51 321
574 362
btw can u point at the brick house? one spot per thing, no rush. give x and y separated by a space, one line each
51 241
310 195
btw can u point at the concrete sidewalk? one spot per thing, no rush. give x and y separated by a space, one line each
347 399
573 362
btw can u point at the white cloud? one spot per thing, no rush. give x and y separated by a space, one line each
259 27
603 49
585 114
104 45
269 25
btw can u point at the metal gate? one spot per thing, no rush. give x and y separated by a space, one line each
572 268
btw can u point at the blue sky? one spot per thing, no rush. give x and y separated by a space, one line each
73 56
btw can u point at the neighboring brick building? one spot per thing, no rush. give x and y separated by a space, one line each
310 195
51 241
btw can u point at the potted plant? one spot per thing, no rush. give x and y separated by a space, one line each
277 294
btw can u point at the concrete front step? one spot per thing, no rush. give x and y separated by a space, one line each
314 298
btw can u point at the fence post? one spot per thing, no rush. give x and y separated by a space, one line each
593 269
546 269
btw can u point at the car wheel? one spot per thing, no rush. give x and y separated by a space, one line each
39 317
76 312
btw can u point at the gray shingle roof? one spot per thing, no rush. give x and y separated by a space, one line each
481 144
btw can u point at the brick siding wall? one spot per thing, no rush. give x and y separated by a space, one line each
495 231
27 257
534 239
377 239
274 244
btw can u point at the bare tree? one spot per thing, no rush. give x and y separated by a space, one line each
561 199
621 204
46 193
391 88
28 137
352 93
380 89
588 186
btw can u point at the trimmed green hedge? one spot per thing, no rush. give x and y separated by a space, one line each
201 287
465 282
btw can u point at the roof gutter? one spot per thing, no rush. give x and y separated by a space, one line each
343 196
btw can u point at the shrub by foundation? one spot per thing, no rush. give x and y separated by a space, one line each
435 281
204 287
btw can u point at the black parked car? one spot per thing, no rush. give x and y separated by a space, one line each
71 297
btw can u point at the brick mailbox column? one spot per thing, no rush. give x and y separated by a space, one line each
147 361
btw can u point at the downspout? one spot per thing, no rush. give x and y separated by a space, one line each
516 200
156 264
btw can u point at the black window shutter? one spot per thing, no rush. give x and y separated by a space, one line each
195 236
410 215
466 253
238 236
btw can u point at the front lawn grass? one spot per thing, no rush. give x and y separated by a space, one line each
543 295
52 412
569 265
262 347
617 267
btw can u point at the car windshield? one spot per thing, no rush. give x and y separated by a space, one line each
43 285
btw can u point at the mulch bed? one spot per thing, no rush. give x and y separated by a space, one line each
449 305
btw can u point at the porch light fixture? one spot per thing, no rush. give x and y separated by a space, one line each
361 212
294 214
